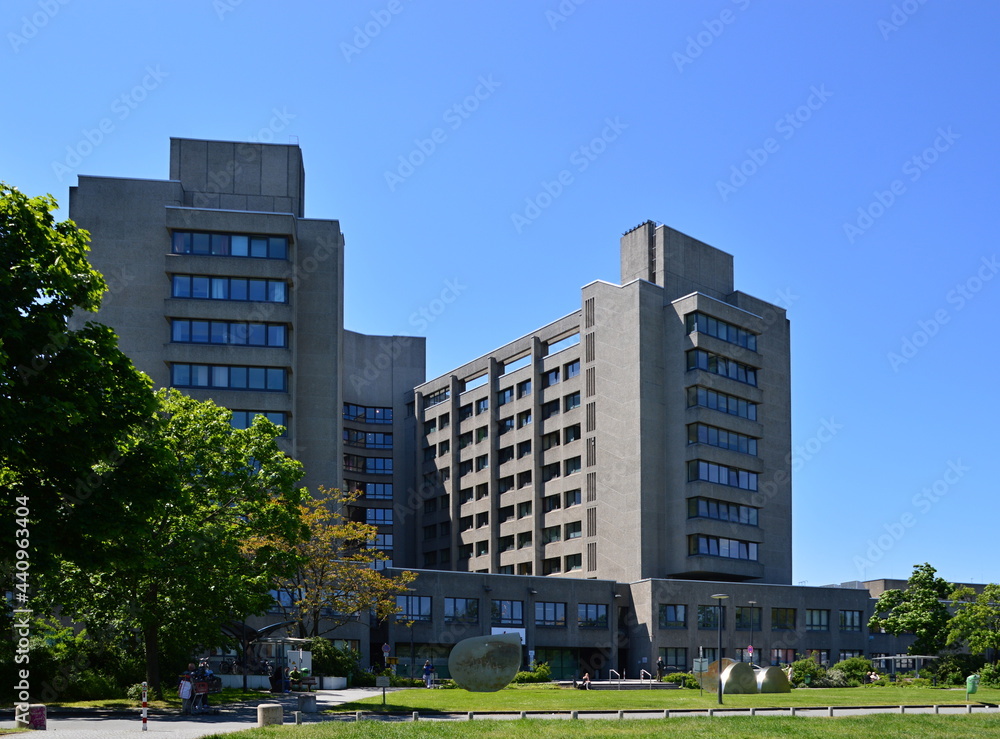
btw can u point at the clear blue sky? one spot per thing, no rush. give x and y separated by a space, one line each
827 107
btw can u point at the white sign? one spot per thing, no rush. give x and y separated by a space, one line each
700 665
382 681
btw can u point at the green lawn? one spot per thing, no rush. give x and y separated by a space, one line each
869 727
552 698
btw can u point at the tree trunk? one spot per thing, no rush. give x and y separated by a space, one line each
151 637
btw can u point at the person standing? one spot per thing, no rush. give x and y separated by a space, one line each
185 689
660 669
428 674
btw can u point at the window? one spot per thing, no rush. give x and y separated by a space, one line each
506 543
465 412
571 433
482 548
524 568
464 495
228 288
378 516
523 419
482 519
482 433
505 484
572 498
573 562
721 402
430 559
703 324
506 513
574 530
714 546
708 617
482 405
239 333
436 397
719 365
244 419
592 615
748 618
551 534
368 465
551 566
524 509
504 425
465 440
817 619
505 396
461 611
523 449
229 245
524 389
550 503
572 465
675 658
850 653
444 447
699 433
369 439
850 620
372 490
572 369
571 401
465 523
507 612
413 607
550 472
782 656
444 529
673 616
465 551
550 614
524 539
482 462
722 511
482 491
550 409
550 440
273 379
550 378
505 455
721 475
430 426
445 420
430 532
523 479
430 505
782 619
366 414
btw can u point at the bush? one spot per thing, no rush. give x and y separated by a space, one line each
855 670
541 674
684 679
806 672
330 660
989 675
952 669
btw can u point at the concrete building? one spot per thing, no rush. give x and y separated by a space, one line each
660 408
221 287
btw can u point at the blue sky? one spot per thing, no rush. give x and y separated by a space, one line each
844 152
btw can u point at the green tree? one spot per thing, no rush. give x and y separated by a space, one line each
212 513
976 620
67 397
920 610
336 577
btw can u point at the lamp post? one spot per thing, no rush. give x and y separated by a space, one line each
719 597
752 603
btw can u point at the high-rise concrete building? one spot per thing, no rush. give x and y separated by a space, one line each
221 287
644 435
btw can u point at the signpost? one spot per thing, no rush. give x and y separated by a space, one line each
382 681
701 667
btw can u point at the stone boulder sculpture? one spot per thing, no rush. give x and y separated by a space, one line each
710 678
485 664
739 678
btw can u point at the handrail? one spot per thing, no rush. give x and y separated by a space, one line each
620 676
648 674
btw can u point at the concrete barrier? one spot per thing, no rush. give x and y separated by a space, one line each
269 714
307 702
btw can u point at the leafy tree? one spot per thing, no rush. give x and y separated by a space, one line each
920 610
197 544
976 620
336 577
67 397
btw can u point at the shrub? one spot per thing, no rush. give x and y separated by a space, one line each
806 672
855 670
989 675
684 679
330 660
952 669
541 674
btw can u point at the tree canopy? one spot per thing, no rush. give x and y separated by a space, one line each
976 620
920 609
336 577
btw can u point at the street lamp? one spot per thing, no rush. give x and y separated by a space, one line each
752 604
718 657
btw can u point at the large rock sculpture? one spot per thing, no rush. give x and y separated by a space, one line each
484 664
773 680
710 678
739 678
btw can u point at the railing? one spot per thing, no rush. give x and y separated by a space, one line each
620 677
645 676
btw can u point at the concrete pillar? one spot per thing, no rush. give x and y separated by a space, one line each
269 713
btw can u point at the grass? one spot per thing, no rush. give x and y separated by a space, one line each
553 698
870 727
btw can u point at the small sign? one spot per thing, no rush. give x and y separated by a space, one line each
700 665
750 650
392 661
382 681
385 649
